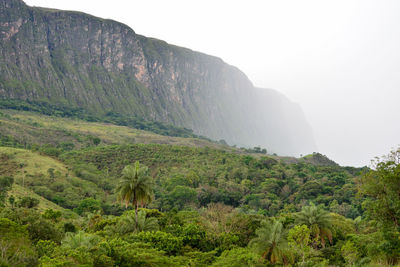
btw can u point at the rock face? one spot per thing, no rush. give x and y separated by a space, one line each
75 59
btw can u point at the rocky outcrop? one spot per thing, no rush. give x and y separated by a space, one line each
101 65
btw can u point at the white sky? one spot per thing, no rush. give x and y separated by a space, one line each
339 59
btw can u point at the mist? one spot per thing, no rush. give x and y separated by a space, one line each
339 60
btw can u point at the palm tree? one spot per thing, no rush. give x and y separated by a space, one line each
80 239
318 220
271 242
144 223
135 187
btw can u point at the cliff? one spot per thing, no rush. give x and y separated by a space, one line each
71 58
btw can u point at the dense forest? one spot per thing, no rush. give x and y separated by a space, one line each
101 193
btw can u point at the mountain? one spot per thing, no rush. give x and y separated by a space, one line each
73 59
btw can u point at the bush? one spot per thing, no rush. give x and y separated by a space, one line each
169 243
45 247
69 227
15 246
238 257
41 229
88 205
138 254
50 150
5 185
51 214
28 202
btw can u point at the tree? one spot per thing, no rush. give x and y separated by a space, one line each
50 171
237 257
318 221
349 252
80 239
135 187
88 205
5 185
11 200
381 186
167 242
144 223
51 214
181 196
28 202
299 239
271 243
15 246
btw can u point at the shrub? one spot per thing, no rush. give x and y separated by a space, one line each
28 202
169 243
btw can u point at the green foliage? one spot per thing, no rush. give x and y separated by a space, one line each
319 222
62 110
11 200
271 244
319 159
182 196
28 202
103 261
51 151
238 257
192 235
256 149
136 254
5 185
38 228
127 223
88 205
50 171
382 187
45 247
299 238
52 214
210 207
135 187
41 229
349 252
69 227
15 246
182 174
169 243
80 239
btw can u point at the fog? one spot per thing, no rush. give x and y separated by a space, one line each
340 60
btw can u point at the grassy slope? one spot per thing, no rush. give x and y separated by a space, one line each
40 129
28 162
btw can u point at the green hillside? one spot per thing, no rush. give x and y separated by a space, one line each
212 204
28 128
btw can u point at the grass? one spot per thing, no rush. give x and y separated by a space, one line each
19 191
22 163
28 162
41 129
31 163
